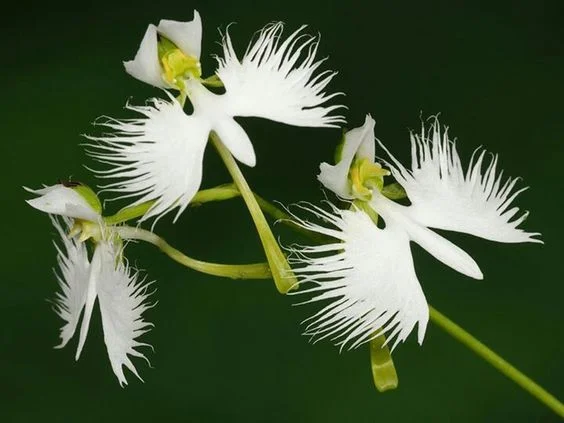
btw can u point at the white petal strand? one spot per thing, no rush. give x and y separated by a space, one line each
157 157
445 196
73 276
145 66
274 80
123 299
358 142
368 278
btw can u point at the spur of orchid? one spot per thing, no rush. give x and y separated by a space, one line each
359 263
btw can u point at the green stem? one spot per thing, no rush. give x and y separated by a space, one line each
496 361
129 213
281 272
219 193
233 271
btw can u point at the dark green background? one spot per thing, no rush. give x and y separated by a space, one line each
231 350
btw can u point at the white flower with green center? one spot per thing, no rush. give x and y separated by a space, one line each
159 155
121 294
367 274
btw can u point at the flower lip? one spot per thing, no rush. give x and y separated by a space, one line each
121 295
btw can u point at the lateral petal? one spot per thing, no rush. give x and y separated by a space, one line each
123 299
368 280
274 80
445 196
156 157
358 142
186 35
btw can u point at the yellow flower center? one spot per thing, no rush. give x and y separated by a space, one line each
365 176
176 64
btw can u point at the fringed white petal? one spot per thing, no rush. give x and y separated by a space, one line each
368 278
358 142
186 35
122 296
73 275
156 157
476 201
63 201
274 80
145 66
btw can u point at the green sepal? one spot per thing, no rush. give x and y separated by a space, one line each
383 369
394 191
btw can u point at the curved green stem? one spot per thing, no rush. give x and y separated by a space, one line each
233 271
219 193
496 361
281 271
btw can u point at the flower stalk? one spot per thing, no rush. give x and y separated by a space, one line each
233 271
496 361
281 272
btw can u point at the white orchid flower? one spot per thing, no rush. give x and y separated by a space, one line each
369 277
159 155
121 294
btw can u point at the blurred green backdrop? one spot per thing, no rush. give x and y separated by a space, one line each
232 350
